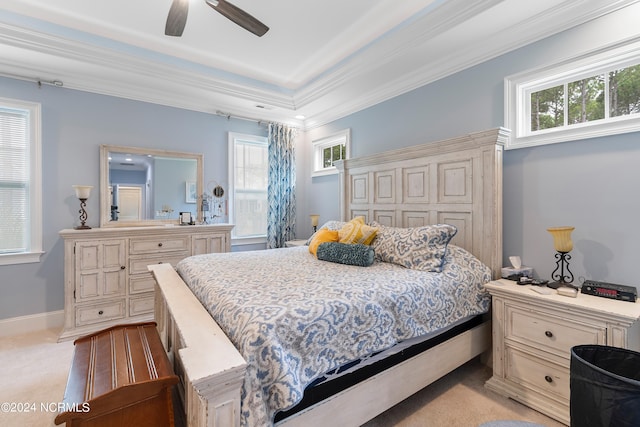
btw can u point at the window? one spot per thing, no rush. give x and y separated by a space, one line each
20 182
248 175
328 150
594 95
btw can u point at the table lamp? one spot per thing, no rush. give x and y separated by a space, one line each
563 245
314 221
83 192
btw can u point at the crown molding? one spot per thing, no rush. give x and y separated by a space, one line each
366 79
543 25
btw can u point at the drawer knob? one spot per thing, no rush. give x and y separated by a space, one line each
122 267
548 333
101 312
548 379
160 244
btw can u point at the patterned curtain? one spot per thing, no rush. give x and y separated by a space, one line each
281 189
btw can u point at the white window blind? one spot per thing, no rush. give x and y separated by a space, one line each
20 225
249 172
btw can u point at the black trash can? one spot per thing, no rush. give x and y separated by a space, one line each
605 387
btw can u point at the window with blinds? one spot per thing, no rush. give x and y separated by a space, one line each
248 178
20 186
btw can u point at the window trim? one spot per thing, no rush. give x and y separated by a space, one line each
318 145
35 181
518 87
232 137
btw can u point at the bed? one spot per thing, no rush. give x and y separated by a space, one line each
455 181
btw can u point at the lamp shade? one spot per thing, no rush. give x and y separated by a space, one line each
83 191
562 238
314 219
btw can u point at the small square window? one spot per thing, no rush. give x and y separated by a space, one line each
328 150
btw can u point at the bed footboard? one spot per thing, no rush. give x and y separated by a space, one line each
210 368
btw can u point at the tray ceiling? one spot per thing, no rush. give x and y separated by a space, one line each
321 59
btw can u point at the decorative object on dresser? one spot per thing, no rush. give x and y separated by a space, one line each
563 245
533 335
106 280
82 193
119 376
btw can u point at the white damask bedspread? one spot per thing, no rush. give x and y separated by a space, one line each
293 317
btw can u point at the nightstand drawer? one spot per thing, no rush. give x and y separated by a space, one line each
535 373
159 244
540 328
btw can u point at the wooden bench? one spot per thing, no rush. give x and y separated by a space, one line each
120 376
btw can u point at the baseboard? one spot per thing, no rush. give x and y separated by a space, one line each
31 323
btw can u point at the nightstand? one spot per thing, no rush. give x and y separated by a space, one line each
533 335
294 243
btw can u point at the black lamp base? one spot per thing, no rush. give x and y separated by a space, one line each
83 216
564 277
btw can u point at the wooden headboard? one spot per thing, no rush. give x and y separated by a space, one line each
456 181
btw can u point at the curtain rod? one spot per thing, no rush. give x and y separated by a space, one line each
39 82
260 122
235 116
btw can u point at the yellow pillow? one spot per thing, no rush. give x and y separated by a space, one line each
323 235
356 231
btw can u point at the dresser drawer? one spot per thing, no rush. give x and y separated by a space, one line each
139 265
537 374
139 283
96 313
159 244
544 329
141 305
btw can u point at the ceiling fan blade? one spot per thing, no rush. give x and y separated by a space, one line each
177 18
239 16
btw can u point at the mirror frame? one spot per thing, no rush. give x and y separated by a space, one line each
105 204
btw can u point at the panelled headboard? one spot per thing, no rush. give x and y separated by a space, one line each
456 181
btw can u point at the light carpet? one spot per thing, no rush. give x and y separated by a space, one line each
34 367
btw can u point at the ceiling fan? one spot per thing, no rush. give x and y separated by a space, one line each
178 17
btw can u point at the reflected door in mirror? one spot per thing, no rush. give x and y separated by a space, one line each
129 203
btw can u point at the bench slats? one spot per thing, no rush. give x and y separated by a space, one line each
119 374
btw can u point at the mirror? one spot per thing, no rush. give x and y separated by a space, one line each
141 186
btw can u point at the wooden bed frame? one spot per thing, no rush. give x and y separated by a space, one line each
456 181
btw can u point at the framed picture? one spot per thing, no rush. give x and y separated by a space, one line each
190 191
185 218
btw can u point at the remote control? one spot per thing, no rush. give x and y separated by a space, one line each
542 290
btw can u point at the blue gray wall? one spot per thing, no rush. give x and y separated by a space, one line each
74 125
591 184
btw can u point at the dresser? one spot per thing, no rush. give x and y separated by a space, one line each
533 335
106 281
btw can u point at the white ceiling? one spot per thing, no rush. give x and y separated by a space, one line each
322 59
